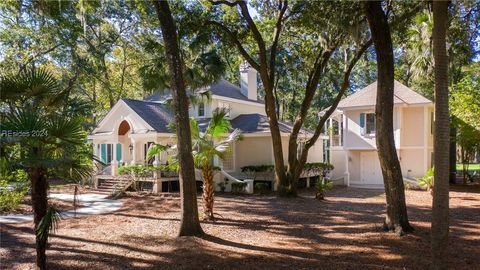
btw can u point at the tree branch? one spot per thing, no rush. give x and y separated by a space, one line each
283 5
256 34
237 42
333 107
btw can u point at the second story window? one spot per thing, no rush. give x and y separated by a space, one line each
201 109
370 123
226 107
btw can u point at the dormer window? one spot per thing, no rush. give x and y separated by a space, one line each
201 109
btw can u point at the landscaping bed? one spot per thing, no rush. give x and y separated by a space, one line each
254 232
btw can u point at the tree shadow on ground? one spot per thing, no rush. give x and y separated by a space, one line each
256 232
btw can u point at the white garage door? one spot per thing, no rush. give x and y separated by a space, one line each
371 172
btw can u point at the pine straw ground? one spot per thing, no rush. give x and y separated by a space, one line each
254 232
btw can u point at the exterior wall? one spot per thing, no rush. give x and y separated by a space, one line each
412 127
253 151
353 138
315 154
337 158
412 162
236 108
354 166
259 151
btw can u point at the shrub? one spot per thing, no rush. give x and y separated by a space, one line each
238 187
322 186
222 186
262 187
426 181
317 169
10 200
255 171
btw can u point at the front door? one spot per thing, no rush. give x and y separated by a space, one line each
371 172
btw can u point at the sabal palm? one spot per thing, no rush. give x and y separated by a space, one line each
51 143
215 142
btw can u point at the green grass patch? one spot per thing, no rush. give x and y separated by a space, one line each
471 167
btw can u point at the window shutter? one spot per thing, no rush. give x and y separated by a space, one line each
103 152
362 123
119 152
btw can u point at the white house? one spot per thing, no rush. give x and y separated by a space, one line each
131 126
351 147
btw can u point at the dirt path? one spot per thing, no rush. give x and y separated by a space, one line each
254 232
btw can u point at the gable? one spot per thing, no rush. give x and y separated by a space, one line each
367 97
121 111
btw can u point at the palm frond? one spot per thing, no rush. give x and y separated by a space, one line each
219 124
194 129
224 145
66 130
37 83
48 224
156 149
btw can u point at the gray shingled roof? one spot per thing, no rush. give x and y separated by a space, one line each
254 122
227 89
220 88
368 96
157 115
247 123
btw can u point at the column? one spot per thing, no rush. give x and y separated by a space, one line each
330 132
114 163
134 151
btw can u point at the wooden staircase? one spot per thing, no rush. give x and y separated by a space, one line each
109 184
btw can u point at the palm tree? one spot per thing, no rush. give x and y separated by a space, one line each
215 142
440 206
50 143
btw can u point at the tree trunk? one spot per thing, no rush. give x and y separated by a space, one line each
440 207
40 205
190 225
397 218
453 154
208 190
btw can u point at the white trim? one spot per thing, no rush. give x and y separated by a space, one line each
347 172
239 101
112 112
263 134
354 108
360 148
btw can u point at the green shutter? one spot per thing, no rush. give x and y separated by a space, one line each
103 153
362 123
119 152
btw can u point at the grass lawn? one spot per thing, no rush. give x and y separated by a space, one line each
471 167
254 232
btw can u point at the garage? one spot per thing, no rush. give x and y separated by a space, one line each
370 171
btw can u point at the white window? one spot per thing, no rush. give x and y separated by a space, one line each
370 123
201 109
227 163
226 106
